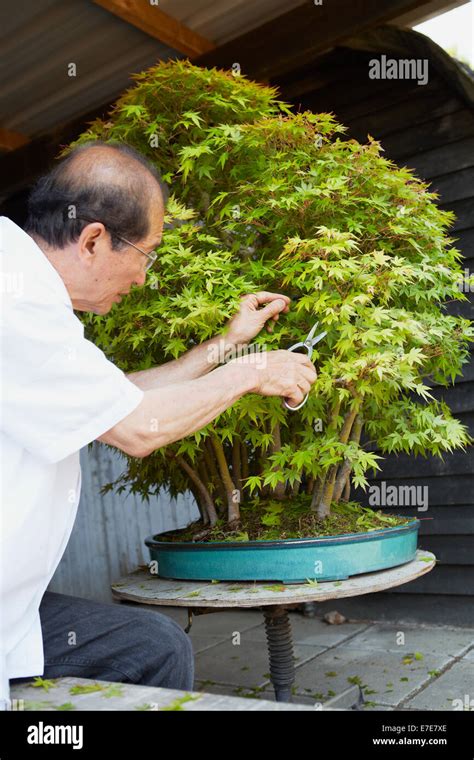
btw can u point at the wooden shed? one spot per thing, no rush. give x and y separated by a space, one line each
430 128
319 55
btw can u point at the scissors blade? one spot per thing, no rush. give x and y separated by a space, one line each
313 330
319 337
310 341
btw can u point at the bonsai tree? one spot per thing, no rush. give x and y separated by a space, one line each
266 199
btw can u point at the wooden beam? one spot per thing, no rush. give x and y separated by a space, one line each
149 18
429 10
298 36
11 140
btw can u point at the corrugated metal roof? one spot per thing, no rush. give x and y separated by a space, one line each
222 20
38 40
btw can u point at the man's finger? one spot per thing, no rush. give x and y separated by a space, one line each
264 296
272 309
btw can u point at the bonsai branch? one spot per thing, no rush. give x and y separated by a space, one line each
318 489
236 468
346 467
278 492
244 462
324 505
206 496
232 503
347 490
216 480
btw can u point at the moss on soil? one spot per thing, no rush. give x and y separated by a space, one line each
270 519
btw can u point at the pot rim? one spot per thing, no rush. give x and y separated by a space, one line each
153 543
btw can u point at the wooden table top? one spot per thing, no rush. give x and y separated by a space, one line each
146 588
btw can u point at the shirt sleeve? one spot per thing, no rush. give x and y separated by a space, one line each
59 391
4 683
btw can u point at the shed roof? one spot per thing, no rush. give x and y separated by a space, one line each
40 39
42 106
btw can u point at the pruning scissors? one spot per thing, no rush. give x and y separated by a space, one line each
308 344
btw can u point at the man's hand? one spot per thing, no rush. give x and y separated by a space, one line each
280 373
250 318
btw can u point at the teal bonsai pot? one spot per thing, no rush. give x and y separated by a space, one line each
288 560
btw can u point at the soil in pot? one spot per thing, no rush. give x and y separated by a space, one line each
271 519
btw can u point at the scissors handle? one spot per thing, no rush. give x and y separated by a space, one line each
294 408
309 351
308 345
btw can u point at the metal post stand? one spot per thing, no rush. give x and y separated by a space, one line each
280 651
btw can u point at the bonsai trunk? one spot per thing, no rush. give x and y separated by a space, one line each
327 493
278 492
206 503
346 467
233 511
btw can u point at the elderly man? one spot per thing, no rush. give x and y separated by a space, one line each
93 225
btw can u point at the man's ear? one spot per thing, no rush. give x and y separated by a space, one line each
92 236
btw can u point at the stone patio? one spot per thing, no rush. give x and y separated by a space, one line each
398 666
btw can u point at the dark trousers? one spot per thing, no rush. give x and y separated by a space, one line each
113 642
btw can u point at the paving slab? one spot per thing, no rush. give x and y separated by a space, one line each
379 673
258 692
213 623
437 645
395 605
201 643
456 683
328 655
453 642
268 694
370 706
178 614
312 631
243 664
225 623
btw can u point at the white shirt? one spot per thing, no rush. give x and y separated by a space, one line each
58 393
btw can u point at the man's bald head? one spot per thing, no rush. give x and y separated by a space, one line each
107 182
102 163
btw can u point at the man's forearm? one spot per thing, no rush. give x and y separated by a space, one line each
198 361
176 411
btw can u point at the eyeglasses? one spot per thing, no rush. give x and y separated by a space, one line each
152 256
